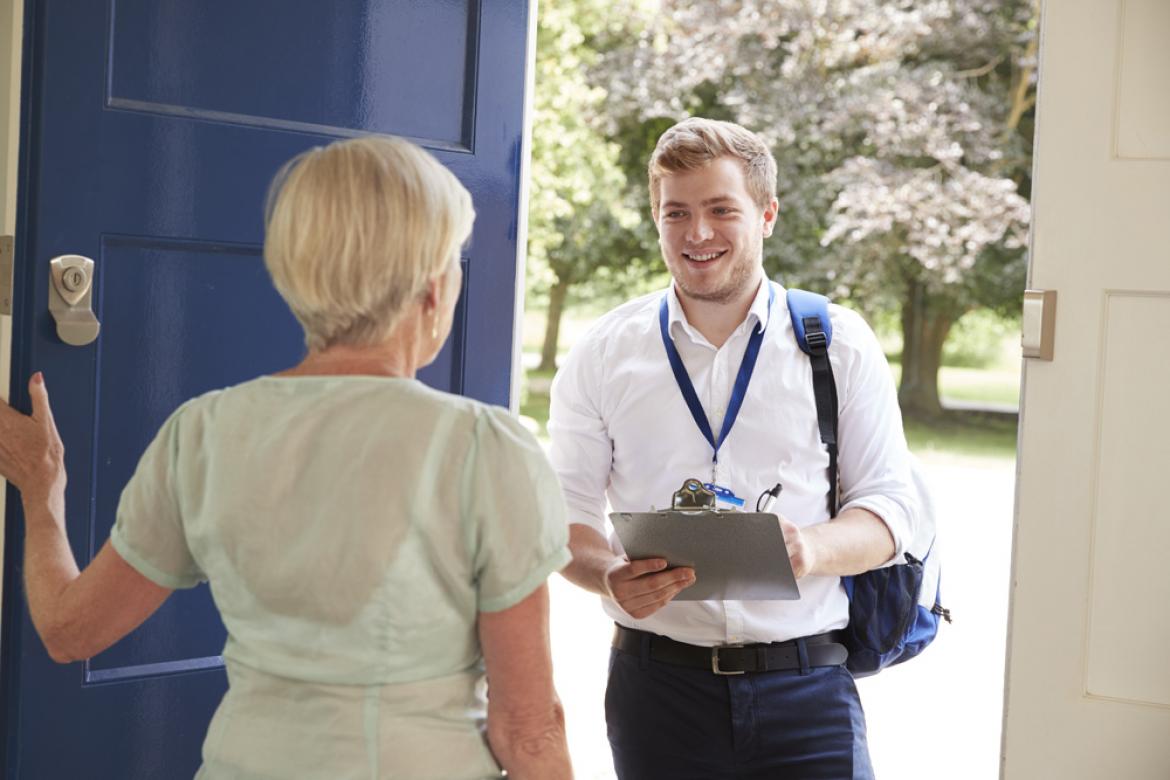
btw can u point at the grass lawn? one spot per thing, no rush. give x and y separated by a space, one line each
968 436
992 386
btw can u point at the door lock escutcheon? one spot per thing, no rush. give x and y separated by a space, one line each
70 299
1038 327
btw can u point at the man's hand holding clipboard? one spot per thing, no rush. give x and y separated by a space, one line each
644 586
747 556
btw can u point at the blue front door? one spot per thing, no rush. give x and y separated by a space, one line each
150 131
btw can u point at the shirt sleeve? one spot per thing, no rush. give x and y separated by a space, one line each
519 535
875 464
582 450
148 532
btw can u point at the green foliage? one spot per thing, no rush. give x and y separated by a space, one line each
583 225
534 398
977 340
982 339
902 132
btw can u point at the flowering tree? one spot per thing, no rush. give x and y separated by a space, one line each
901 132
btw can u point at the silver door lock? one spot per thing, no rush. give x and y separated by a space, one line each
70 299
1038 326
74 279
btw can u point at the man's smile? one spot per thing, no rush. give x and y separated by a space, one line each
703 257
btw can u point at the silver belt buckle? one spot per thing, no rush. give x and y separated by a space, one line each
715 660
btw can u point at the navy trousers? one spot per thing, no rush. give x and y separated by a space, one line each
683 723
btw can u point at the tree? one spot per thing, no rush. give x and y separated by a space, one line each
581 226
902 135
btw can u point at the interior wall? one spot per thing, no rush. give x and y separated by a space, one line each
11 26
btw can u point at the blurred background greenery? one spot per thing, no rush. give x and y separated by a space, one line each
903 134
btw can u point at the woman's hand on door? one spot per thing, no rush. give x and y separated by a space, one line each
32 456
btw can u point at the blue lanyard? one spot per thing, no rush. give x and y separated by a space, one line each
741 380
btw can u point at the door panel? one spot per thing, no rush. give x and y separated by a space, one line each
149 135
331 72
163 303
1088 690
1130 541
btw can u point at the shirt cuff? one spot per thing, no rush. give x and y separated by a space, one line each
895 518
555 562
585 511
148 569
578 516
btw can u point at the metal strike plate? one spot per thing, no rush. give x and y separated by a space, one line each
70 299
1038 331
7 252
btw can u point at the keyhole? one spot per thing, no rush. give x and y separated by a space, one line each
73 279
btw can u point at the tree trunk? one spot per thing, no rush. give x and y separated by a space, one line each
552 326
926 321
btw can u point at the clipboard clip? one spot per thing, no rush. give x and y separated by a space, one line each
692 495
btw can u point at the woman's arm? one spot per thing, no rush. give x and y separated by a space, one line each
526 724
80 614
77 614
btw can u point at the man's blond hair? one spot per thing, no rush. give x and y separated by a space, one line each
695 142
355 230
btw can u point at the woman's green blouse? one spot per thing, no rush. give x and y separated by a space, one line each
351 528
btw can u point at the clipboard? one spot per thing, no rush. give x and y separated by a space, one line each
737 556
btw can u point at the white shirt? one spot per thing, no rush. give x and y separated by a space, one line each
621 429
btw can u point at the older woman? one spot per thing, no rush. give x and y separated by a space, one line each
370 543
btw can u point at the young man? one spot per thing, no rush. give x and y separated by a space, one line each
621 428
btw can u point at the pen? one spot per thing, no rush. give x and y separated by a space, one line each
768 498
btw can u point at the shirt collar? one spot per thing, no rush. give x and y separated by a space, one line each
758 312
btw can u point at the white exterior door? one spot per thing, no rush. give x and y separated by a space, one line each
1088 681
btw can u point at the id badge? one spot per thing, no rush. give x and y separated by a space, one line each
724 498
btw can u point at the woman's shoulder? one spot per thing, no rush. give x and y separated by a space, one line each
472 411
371 399
193 408
492 427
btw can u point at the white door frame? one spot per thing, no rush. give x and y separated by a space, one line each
11 38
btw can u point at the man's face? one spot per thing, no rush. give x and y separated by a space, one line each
712 231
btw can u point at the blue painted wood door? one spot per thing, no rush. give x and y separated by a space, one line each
150 131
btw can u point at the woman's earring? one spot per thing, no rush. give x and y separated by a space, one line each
435 326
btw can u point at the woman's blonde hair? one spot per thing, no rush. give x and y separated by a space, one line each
695 142
355 230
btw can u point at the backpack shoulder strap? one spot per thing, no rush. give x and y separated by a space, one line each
814 334
810 314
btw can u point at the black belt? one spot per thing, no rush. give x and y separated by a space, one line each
821 650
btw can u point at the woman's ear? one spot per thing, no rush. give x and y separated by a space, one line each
432 294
